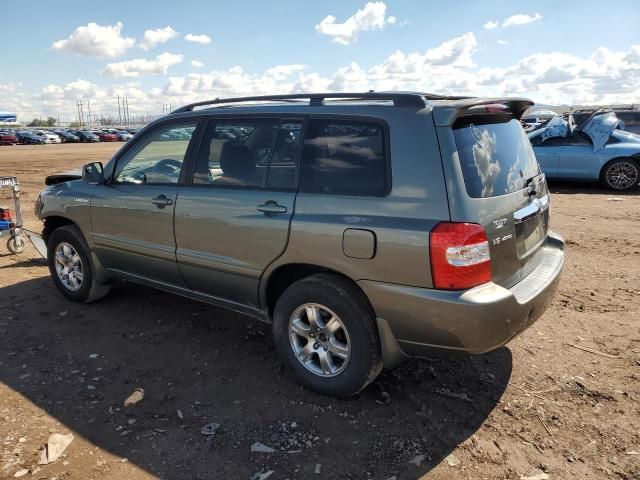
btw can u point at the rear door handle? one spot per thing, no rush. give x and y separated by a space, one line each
161 201
271 208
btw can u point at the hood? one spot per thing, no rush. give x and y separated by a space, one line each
599 128
556 127
63 177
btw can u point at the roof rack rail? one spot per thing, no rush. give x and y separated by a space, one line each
402 99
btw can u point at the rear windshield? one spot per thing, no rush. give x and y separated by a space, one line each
496 158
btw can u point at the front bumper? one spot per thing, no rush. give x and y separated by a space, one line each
477 320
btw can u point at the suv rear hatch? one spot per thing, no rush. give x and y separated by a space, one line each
493 179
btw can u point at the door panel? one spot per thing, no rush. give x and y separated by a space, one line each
580 162
224 242
132 215
133 234
233 221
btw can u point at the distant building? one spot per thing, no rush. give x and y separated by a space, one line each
8 117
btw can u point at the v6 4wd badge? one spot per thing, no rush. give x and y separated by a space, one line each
499 240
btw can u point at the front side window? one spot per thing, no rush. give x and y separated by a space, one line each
236 153
344 157
156 158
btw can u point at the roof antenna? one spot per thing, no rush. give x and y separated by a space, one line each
371 91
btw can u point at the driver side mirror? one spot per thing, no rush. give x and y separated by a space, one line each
93 173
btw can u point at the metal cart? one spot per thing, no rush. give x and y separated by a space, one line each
10 226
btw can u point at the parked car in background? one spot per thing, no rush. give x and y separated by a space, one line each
106 136
123 135
629 117
8 138
86 136
48 137
597 150
27 137
66 136
443 246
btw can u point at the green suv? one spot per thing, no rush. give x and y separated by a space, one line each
365 227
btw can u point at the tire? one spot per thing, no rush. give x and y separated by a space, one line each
15 245
329 296
68 240
622 174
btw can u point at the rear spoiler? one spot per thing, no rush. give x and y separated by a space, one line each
446 113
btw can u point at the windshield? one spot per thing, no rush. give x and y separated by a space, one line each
496 158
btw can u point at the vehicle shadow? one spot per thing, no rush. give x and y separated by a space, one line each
198 364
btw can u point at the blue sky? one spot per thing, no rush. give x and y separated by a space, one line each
551 51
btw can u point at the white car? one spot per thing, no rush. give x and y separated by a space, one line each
48 137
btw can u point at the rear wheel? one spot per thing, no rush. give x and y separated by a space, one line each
622 174
71 267
324 330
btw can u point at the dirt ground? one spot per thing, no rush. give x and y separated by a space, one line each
561 400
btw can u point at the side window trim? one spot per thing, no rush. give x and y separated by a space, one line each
297 161
188 156
386 140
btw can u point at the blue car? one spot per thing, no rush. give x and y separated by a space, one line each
597 151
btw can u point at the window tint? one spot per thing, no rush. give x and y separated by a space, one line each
282 168
344 158
496 158
156 158
236 153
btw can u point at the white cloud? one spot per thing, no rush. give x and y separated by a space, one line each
521 19
96 41
204 39
10 87
604 76
491 25
371 17
503 42
141 67
197 64
152 38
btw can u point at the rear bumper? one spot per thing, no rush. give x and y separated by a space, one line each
422 321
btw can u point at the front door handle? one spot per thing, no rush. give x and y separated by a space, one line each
161 201
271 208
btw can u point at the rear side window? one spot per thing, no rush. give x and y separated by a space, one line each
496 158
344 157
236 153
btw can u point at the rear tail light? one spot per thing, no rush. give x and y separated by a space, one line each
5 214
460 257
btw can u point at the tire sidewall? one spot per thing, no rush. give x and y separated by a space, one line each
615 162
353 316
71 236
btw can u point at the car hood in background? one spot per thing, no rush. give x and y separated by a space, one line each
556 127
600 127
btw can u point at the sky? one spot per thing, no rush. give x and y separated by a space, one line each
553 52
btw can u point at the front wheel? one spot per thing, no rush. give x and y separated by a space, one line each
622 174
324 331
70 265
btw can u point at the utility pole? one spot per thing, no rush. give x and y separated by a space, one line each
119 115
126 100
89 110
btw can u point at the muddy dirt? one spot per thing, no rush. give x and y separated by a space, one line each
561 400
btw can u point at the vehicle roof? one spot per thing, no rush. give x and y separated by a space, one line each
383 104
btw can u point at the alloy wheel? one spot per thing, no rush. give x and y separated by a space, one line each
69 266
622 175
319 340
